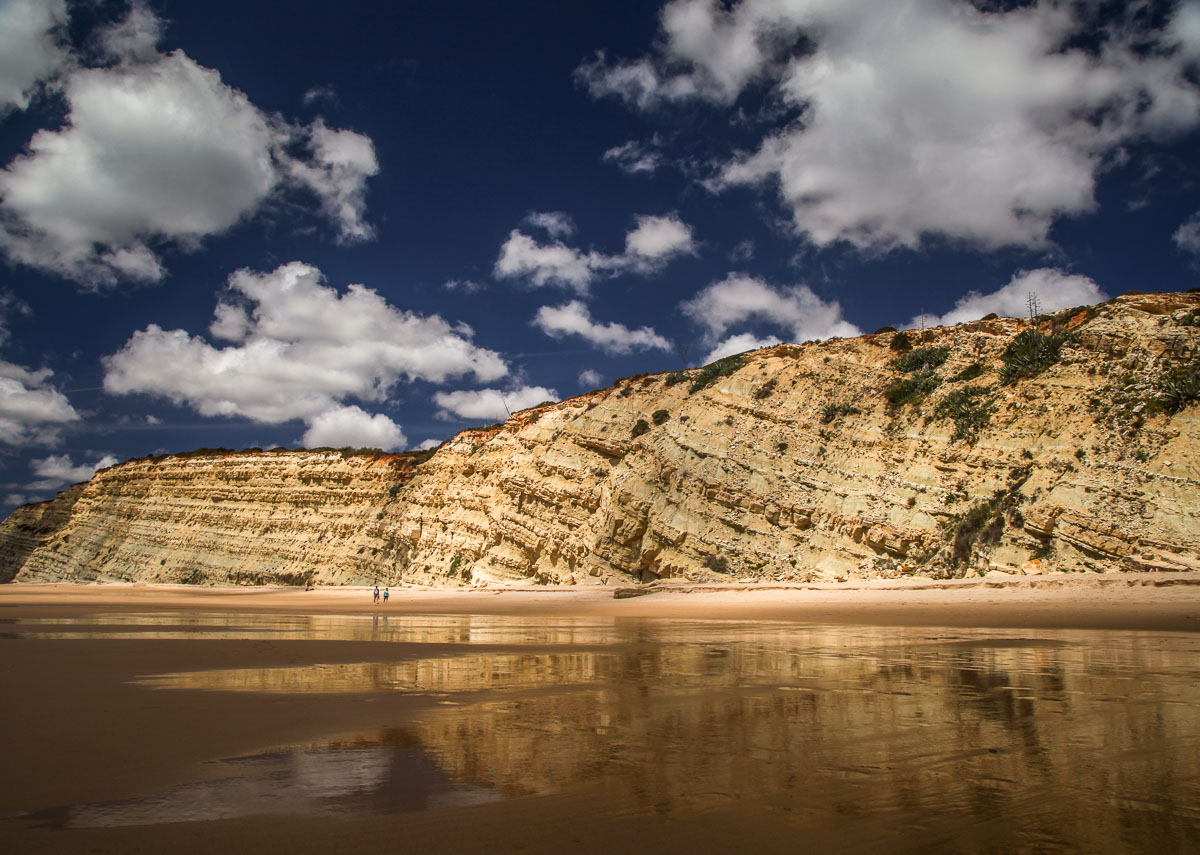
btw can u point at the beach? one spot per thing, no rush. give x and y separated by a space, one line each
103 705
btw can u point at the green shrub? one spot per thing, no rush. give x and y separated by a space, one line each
921 359
829 412
1031 353
975 369
1180 388
716 563
660 416
969 407
714 371
912 390
901 342
676 377
641 427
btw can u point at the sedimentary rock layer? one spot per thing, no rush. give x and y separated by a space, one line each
795 462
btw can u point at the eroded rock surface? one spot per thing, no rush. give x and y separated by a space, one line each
795 465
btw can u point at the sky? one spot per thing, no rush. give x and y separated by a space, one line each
374 224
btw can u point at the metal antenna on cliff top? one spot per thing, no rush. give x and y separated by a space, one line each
506 409
682 353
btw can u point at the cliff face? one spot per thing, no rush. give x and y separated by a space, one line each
798 462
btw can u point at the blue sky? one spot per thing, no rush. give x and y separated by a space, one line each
375 224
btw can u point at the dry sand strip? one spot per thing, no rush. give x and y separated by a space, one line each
1134 601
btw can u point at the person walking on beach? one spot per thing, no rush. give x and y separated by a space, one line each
385 595
376 593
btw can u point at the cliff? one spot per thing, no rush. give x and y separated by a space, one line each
990 445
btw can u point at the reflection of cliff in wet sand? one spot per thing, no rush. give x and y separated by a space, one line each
882 718
890 726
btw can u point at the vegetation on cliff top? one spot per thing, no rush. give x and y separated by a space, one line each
1031 353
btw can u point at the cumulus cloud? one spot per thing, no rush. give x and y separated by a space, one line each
157 150
573 318
31 49
739 344
932 118
353 426
490 404
427 444
739 300
1187 236
342 161
649 246
1055 289
590 379
540 264
298 349
58 470
658 238
32 412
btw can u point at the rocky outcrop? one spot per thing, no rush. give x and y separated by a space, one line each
795 462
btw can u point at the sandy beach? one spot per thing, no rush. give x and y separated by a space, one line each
79 729
1151 601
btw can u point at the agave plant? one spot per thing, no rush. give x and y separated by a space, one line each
1180 390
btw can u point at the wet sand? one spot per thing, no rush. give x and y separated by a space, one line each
1151 601
78 728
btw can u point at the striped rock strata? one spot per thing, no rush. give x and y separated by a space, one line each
794 466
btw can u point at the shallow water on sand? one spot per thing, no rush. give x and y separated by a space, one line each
959 740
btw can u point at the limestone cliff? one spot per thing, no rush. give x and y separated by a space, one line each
989 445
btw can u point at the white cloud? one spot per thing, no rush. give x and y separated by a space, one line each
10 302
743 251
157 150
573 318
465 286
321 94
31 50
540 264
490 404
352 426
739 299
299 350
557 224
738 344
649 246
656 239
58 470
31 411
590 379
342 162
136 37
634 157
427 444
1055 290
931 118
1187 236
